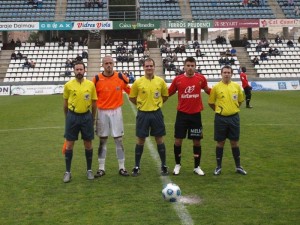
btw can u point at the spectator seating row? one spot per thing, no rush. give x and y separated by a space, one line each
159 10
228 9
209 63
50 63
284 65
288 10
76 11
13 10
19 10
134 66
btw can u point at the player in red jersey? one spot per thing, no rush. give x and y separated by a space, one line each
246 86
188 118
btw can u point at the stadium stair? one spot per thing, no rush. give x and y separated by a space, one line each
185 10
4 62
156 56
245 61
277 11
94 63
60 10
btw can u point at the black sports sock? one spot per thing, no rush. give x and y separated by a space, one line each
197 155
138 154
247 102
177 154
236 156
89 158
219 156
68 159
161 148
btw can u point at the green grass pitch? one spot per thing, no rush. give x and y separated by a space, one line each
32 168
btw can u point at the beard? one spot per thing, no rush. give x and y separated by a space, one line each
79 76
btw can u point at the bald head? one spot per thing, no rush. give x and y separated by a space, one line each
108 65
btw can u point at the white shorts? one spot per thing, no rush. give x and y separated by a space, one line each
110 122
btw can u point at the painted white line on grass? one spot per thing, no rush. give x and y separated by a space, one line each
179 207
133 124
30 128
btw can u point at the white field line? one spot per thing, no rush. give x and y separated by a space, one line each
179 207
133 124
30 128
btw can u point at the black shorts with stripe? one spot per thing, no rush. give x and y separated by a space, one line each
150 122
227 127
79 123
190 124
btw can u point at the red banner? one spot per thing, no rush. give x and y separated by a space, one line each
238 23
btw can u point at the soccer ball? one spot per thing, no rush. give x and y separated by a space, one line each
171 192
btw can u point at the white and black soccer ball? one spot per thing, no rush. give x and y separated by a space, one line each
171 192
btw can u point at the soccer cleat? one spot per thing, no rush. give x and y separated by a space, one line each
164 171
176 169
198 171
249 106
240 170
217 171
135 171
67 177
90 175
99 173
123 172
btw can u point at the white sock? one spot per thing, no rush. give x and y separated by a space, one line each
101 164
121 164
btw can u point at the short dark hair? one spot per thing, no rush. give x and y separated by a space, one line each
190 59
227 67
79 63
243 69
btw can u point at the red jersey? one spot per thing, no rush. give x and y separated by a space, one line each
243 77
189 92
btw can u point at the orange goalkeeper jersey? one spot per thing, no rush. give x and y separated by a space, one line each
110 90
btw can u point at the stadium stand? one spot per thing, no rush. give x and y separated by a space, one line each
50 62
159 10
289 10
13 10
133 66
76 10
284 65
228 9
209 63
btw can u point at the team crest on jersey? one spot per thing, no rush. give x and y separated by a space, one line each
234 97
189 89
87 96
156 94
118 88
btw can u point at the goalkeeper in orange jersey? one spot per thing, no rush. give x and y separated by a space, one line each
110 86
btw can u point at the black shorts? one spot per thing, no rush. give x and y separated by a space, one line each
82 123
247 90
188 123
227 127
150 122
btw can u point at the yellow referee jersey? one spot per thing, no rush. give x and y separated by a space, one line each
79 95
226 98
149 93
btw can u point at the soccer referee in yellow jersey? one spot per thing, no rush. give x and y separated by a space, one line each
225 99
80 109
149 93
